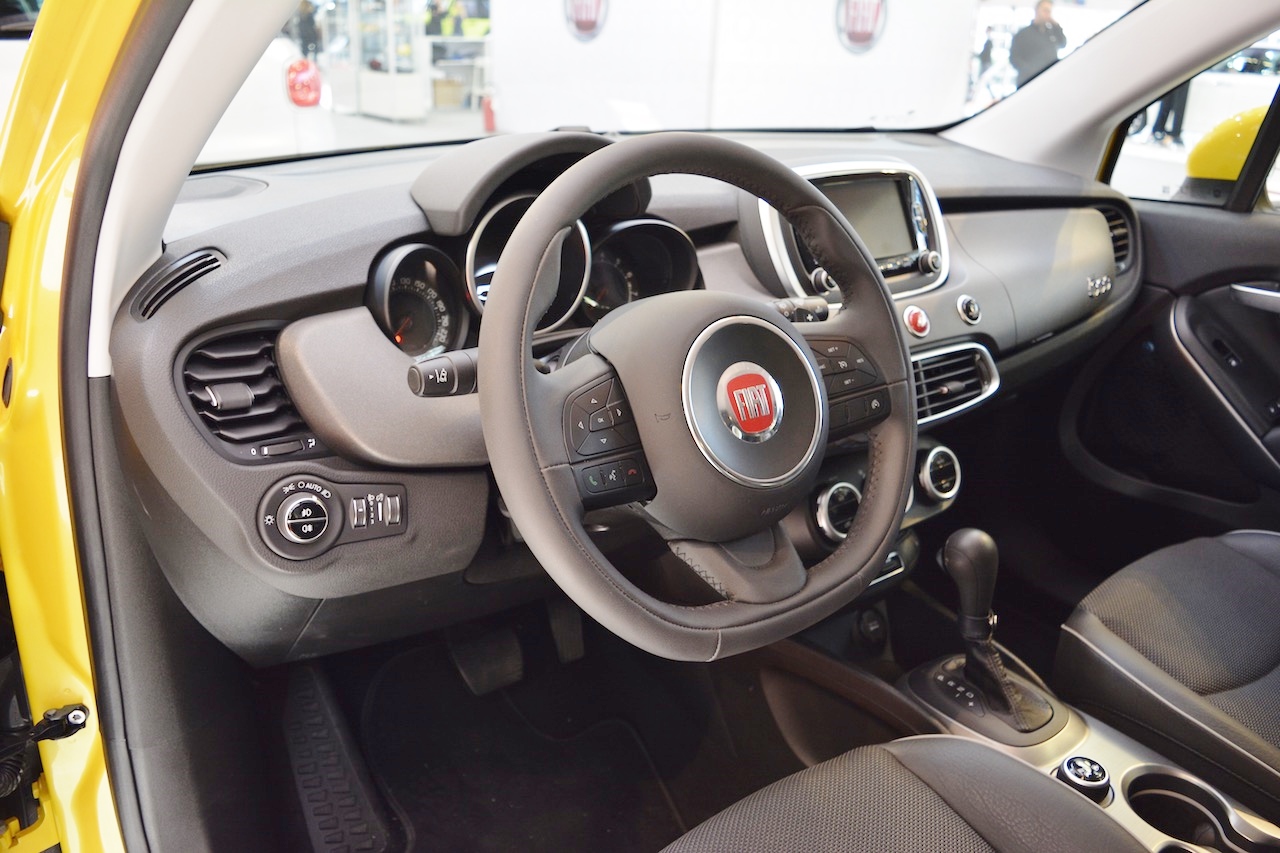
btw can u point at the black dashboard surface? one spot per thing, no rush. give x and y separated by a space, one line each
266 277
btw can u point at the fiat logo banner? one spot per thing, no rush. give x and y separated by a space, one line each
585 17
860 23
750 402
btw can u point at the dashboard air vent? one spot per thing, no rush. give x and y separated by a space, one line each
239 400
161 284
951 379
1120 236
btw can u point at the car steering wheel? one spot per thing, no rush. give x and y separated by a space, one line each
710 406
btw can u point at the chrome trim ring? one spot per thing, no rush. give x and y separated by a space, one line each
822 514
960 301
775 243
926 482
686 392
469 271
990 382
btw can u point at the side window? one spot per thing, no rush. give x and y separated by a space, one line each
1190 145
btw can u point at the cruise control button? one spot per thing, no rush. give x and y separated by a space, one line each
601 442
841 364
832 349
844 382
824 365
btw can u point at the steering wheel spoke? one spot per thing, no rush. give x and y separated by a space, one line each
758 569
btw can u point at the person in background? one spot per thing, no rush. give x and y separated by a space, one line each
308 32
984 56
1168 124
1035 47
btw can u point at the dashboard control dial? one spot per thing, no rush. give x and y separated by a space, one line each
303 518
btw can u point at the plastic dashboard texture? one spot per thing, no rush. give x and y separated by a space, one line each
299 240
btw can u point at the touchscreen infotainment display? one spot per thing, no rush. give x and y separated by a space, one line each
875 208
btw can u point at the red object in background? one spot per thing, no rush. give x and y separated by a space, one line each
303 83
486 111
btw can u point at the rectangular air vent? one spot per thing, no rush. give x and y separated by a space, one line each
235 391
1118 225
951 379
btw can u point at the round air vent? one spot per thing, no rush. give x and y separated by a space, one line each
940 474
836 506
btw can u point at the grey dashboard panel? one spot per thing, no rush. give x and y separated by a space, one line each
1046 259
349 383
452 190
299 241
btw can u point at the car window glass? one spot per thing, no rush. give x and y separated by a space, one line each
1190 145
350 74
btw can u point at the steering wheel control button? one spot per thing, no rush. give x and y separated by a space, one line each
600 420
916 320
1086 776
750 401
617 482
846 370
302 517
969 310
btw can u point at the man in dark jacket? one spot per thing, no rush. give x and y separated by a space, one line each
1035 47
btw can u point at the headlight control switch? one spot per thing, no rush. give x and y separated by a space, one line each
301 517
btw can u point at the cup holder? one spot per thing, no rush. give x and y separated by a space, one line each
1185 809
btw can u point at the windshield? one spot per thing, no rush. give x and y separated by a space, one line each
347 75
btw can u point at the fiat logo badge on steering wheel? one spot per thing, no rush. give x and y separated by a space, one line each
750 402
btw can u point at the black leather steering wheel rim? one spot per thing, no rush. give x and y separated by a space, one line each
522 408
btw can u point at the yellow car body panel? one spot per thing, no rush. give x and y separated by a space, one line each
71 53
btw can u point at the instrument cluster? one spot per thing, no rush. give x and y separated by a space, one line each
424 296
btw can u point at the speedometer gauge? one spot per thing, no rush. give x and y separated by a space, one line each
414 298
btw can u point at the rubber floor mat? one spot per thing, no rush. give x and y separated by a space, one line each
469 774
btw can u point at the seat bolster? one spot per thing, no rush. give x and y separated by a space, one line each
1010 804
1103 675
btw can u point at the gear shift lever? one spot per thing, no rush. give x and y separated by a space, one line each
971 559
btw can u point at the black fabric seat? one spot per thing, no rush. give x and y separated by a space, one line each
935 792
1181 650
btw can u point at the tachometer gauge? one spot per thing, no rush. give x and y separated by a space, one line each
635 259
414 298
490 238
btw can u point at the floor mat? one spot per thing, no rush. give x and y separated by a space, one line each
468 773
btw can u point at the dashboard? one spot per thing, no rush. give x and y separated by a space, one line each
294 379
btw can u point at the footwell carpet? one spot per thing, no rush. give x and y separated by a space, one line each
468 773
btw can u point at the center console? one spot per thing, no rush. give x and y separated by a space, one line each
976 695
